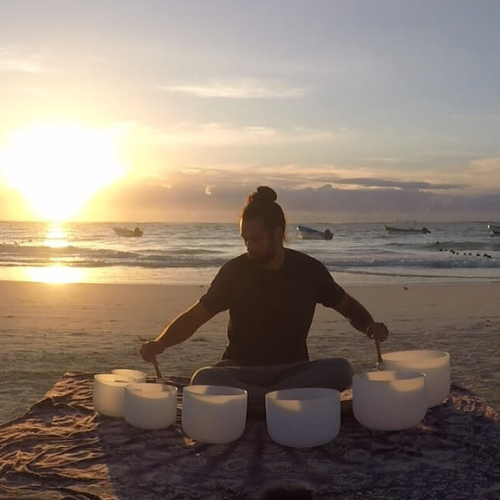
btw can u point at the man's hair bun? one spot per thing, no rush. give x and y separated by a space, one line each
263 194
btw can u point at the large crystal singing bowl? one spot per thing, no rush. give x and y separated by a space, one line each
108 394
389 400
435 365
214 414
150 406
135 374
303 418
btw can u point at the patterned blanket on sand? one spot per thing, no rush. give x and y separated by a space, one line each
61 449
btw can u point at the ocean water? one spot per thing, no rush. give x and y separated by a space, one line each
192 253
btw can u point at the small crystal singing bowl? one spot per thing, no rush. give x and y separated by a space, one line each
214 414
303 418
135 374
108 393
150 406
389 400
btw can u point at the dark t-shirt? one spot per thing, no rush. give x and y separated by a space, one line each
270 312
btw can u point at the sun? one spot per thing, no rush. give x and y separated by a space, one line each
57 167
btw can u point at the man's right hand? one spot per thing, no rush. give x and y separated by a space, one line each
150 350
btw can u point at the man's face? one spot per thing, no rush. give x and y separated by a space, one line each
261 244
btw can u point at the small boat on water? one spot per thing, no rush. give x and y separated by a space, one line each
128 233
495 229
308 233
406 230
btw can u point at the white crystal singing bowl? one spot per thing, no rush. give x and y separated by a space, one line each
214 414
108 394
435 365
135 374
389 400
303 418
150 406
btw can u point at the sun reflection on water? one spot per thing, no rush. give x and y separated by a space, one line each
56 274
56 236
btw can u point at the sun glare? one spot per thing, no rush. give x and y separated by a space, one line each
58 167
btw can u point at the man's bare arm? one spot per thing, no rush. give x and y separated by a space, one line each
177 331
361 319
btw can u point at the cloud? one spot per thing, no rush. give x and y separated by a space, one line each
12 61
483 175
485 166
246 89
297 176
384 159
209 196
182 141
224 134
387 183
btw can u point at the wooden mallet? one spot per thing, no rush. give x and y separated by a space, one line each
159 378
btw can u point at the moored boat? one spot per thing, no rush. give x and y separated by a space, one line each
495 229
406 230
309 233
128 233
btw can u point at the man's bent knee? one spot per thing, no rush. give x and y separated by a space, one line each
338 371
212 375
202 376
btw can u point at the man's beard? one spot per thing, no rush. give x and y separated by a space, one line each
263 259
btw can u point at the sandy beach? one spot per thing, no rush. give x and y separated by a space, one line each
47 330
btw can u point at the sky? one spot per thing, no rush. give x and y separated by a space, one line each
159 110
